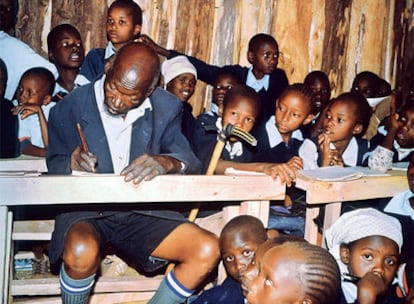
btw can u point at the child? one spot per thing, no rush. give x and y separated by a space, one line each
122 26
318 82
346 119
290 270
34 96
398 144
239 241
180 78
224 82
241 107
66 51
9 145
263 75
366 244
367 84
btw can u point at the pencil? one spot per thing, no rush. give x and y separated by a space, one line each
82 138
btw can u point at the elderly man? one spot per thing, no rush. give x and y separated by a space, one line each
132 128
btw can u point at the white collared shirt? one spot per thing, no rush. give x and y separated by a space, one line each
257 84
400 204
110 50
118 128
275 138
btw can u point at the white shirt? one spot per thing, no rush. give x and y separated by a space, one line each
275 138
400 204
118 128
19 57
257 84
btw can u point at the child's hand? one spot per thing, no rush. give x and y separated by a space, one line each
295 162
154 46
25 110
83 161
395 123
370 286
286 173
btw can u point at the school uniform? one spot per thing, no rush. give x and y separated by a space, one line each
205 137
229 292
93 65
270 145
355 154
269 88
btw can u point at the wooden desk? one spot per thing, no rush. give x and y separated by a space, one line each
23 163
55 190
334 193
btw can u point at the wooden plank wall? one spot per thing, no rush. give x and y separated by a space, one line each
341 38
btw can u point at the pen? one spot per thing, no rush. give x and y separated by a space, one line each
82 138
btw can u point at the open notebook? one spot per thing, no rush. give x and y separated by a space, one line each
337 173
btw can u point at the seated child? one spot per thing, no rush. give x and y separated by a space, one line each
66 51
346 119
241 107
401 206
397 144
263 75
366 244
34 95
224 81
123 25
319 83
9 125
180 78
290 270
239 240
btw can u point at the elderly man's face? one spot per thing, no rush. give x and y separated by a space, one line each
125 90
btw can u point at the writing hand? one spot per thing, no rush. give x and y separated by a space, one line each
83 161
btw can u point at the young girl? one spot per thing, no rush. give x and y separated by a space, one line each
34 95
180 78
346 119
290 270
366 244
239 241
123 25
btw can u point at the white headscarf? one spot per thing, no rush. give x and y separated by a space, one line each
175 66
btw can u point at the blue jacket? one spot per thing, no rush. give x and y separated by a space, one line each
229 292
157 132
277 83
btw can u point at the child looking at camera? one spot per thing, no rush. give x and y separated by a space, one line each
123 25
366 244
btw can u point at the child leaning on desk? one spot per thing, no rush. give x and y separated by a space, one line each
34 95
366 244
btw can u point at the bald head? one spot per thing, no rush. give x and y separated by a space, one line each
131 77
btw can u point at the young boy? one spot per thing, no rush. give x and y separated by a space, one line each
65 49
9 125
346 119
397 144
224 82
34 96
180 78
239 241
263 75
290 270
366 244
123 25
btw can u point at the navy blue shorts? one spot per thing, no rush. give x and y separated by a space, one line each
134 234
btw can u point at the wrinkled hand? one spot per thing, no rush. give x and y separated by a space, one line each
25 110
82 161
146 167
286 173
370 286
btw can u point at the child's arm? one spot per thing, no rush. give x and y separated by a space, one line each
328 156
153 45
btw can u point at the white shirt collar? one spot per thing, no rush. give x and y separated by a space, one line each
257 84
275 138
350 155
400 204
110 50
402 152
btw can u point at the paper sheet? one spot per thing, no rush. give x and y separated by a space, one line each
337 173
